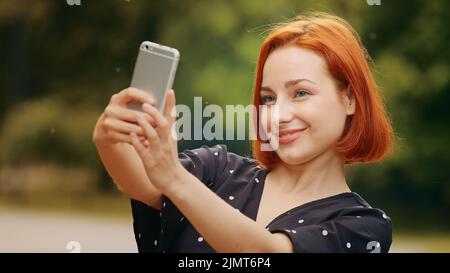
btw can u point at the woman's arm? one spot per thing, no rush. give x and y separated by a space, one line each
222 226
111 137
126 169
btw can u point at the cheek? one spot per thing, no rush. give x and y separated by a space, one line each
265 119
263 127
326 119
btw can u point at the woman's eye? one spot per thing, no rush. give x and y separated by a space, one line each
267 99
301 93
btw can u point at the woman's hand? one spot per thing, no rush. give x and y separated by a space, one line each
160 156
117 121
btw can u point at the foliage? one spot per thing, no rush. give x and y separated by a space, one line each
63 62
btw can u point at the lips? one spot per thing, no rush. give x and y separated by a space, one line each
287 133
287 136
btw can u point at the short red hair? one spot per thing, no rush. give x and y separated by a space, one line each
368 134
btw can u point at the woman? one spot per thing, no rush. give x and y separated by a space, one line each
292 199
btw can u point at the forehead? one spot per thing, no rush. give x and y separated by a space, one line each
292 62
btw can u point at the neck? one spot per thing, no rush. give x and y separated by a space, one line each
320 177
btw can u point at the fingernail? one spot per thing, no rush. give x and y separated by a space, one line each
139 118
146 106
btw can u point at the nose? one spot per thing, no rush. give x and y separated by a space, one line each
285 111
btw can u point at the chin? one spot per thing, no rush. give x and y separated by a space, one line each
298 155
294 157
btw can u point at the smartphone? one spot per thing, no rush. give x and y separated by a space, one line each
154 72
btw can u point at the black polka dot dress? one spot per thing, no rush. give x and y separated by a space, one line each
339 223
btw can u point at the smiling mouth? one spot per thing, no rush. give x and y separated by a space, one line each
288 133
287 136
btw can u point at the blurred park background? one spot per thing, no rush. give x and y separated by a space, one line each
61 63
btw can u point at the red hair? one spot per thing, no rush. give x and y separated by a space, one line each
368 134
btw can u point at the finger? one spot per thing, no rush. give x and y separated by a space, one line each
170 105
137 95
149 132
122 126
116 137
125 114
138 146
143 140
170 113
161 123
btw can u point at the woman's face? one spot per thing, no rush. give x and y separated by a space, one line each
308 99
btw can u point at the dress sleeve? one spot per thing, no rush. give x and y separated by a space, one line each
155 230
206 163
369 231
146 226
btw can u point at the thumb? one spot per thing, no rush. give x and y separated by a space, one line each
170 114
170 106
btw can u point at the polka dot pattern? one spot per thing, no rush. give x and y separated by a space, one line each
317 221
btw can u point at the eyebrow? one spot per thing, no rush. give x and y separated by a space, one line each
287 84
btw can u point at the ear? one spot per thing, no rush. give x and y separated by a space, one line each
349 101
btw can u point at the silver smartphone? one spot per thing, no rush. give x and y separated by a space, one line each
154 72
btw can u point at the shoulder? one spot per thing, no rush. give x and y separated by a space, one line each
358 219
341 223
374 222
219 152
215 163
